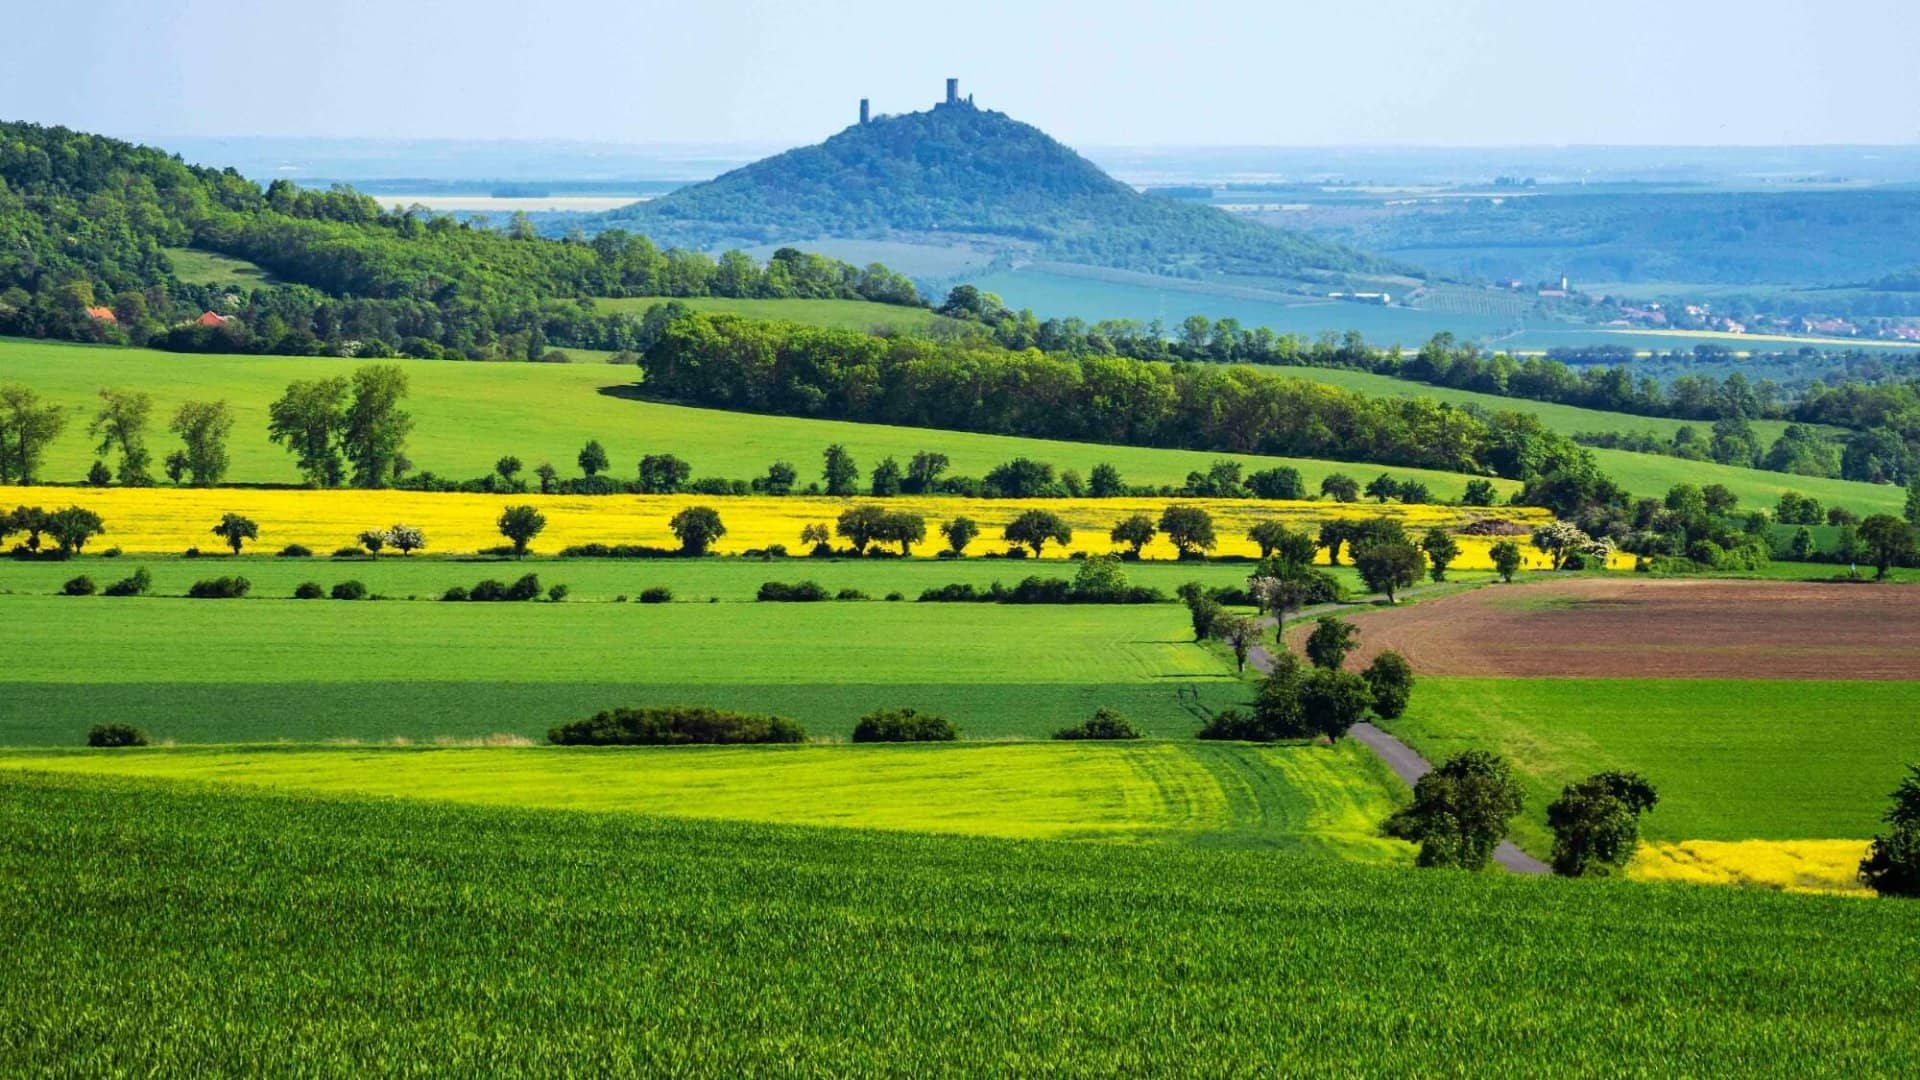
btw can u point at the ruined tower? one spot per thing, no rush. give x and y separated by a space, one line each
865 114
953 91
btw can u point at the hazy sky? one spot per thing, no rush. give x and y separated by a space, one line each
1447 72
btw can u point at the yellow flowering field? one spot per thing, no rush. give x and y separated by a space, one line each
169 520
1829 866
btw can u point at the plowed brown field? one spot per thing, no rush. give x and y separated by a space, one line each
1637 627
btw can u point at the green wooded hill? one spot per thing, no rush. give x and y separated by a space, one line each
957 173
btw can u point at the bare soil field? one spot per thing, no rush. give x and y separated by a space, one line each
1643 628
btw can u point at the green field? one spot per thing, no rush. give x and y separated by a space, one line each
198 931
197 267
1732 759
1190 793
692 580
259 670
862 315
469 414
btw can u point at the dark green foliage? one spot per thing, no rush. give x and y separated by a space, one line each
1105 724
115 735
656 594
79 586
1136 531
1889 542
71 528
527 587
1460 810
675 725
1276 714
1339 487
350 589
221 588
903 725
1479 492
1034 528
1441 549
800 592
959 532
1331 701
697 527
1389 567
1280 482
1390 678
1892 864
138 583
615 551
1596 823
309 590
663 474
1189 528
851 594
296 551
236 530
1204 611
520 524
1506 559
1332 639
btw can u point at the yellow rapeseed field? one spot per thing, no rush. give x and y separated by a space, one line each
170 520
1828 866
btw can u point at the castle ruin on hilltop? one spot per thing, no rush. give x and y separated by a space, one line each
953 98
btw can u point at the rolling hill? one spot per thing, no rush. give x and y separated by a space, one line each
957 174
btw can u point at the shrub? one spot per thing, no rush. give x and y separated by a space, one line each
135 584
895 597
115 735
800 592
456 594
347 553
350 589
296 551
309 590
674 725
1105 724
1234 724
903 725
80 586
613 551
190 553
851 594
659 594
220 588
557 593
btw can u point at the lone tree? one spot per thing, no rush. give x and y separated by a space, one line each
1333 701
697 527
508 468
818 538
1240 633
1136 532
1035 527
1332 639
1202 609
1892 865
862 525
121 425
1441 549
26 428
959 533
549 477
236 530
593 458
203 426
406 539
306 419
663 474
1104 482
904 529
840 471
1390 567
1460 810
1383 487
1390 678
885 482
1190 528
72 527
1596 823
373 540
521 524
1506 559
780 478
1340 487
1332 535
1888 540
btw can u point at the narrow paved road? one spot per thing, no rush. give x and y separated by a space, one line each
1407 764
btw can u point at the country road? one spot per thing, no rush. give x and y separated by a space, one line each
1405 762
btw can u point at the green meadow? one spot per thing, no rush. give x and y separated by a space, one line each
860 315
489 939
1733 759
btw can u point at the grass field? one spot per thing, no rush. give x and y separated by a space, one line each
862 315
1733 759
1194 793
170 520
260 670
369 932
208 268
467 415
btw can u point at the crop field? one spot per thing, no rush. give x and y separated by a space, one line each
324 669
1192 793
488 939
467 415
860 315
170 520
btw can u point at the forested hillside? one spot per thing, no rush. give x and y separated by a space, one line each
956 172
88 226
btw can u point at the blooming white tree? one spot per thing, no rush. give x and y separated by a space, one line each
405 539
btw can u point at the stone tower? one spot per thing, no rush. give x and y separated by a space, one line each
865 114
953 91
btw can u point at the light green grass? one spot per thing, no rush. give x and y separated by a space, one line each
197 267
182 930
862 315
1126 791
467 415
1732 759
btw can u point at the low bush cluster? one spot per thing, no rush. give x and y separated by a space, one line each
296 551
802 592
618 551
138 583
903 725
309 590
115 735
349 589
79 586
490 590
220 588
675 725
658 594
1105 724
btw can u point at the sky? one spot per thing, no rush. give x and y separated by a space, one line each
1114 73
